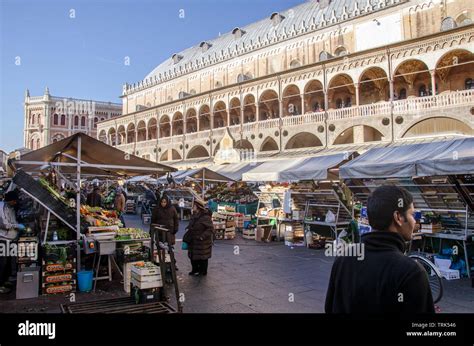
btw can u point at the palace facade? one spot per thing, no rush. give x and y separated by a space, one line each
48 119
324 74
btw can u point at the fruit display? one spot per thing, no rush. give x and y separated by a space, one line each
236 193
98 217
131 233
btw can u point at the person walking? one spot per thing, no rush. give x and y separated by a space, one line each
384 280
199 237
166 215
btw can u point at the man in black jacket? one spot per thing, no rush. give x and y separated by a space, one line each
385 280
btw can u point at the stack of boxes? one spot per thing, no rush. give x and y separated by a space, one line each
225 225
59 278
145 275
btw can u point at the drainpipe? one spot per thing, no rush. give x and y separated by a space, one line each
326 105
390 78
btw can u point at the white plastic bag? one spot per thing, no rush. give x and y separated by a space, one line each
330 217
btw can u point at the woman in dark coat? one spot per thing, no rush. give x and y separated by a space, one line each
199 237
165 214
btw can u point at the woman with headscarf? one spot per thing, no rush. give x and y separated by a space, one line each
199 237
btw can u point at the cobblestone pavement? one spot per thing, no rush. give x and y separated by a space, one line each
247 277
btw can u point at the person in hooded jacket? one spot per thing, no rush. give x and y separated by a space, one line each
199 237
383 280
165 214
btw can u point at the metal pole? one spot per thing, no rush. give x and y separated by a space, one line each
203 177
78 203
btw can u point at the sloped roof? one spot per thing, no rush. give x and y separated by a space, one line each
309 13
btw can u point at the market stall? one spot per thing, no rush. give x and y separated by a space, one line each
94 230
306 205
438 174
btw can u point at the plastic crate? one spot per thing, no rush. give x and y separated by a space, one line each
450 274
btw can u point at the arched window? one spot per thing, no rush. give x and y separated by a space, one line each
348 102
32 144
469 84
37 143
95 122
54 140
55 119
63 120
33 119
76 121
422 91
339 103
83 121
295 63
340 51
402 94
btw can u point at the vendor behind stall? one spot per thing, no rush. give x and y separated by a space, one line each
8 232
94 199
119 203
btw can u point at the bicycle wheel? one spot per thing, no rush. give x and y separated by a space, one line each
433 276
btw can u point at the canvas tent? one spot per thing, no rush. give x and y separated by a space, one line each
235 171
313 168
81 155
419 159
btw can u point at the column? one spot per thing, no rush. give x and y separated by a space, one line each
391 90
326 99
280 107
302 103
257 110
357 93
146 132
433 82
358 134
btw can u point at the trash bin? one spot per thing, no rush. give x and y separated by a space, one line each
84 280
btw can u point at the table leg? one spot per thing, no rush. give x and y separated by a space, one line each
468 267
110 267
97 271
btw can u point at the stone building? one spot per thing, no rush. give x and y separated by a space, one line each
327 73
51 118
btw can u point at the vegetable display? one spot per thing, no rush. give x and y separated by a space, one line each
131 233
98 217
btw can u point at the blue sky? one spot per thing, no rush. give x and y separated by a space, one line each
83 57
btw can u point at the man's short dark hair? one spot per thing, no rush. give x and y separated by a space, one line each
11 196
383 202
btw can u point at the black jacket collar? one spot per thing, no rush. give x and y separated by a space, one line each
383 241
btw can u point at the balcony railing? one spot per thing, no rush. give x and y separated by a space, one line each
146 144
126 147
449 99
268 124
407 106
218 132
250 127
310 118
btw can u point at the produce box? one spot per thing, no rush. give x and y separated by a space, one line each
450 274
146 268
58 278
143 296
127 275
146 285
145 278
54 266
65 287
